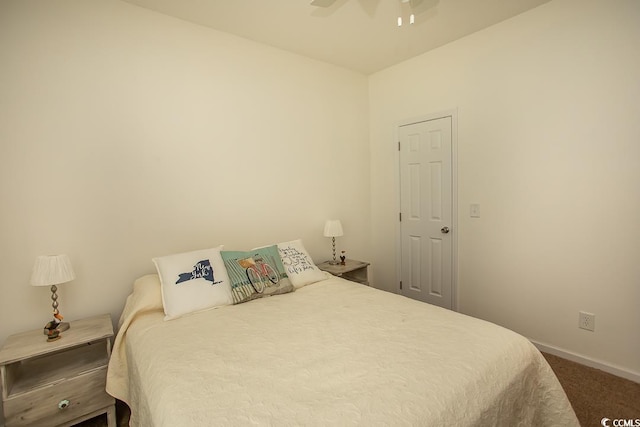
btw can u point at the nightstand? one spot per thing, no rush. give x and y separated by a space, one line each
58 383
355 271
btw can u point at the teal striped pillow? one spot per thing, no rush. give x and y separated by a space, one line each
256 273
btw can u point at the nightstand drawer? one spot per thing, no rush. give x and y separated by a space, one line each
85 393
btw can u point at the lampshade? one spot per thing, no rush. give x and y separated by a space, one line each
333 228
52 270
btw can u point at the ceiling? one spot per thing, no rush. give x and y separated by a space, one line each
361 35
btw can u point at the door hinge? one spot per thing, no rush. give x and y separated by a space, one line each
400 284
400 216
398 145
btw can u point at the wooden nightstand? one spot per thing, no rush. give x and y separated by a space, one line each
58 383
353 270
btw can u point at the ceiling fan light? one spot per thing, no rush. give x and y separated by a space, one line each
399 21
412 19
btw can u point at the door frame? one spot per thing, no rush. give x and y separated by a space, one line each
453 113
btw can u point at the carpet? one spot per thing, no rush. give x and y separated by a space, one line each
595 394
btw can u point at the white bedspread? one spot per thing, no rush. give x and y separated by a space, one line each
331 353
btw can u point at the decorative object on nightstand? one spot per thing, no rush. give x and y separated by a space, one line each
60 383
355 271
52 270
333 229
343 257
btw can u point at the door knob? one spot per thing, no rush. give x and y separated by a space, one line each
444 230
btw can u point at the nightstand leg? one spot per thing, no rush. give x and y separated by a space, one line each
111 416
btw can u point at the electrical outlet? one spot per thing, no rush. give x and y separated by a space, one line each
586 321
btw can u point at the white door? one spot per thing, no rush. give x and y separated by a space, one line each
426 211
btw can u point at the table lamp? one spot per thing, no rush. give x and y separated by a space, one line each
333 229
52 270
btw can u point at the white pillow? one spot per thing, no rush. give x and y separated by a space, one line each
193 281
298 264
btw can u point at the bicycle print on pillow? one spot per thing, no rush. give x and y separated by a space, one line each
256 273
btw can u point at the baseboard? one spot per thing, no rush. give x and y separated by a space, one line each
583 360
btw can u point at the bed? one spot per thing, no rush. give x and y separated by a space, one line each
331 353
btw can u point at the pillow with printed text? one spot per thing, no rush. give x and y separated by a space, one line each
193 281
298 264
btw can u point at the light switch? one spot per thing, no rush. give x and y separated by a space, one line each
475 210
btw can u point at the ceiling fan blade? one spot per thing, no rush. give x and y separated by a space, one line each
413 3
322 3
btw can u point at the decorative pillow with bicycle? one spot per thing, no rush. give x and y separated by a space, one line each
256 273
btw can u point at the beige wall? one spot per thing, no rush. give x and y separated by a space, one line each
549 146
126 134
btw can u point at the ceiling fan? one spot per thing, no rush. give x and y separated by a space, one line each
410 8
322 3
327 3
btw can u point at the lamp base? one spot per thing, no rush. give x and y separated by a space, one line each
55 336
334 262
53 329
